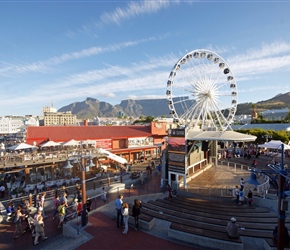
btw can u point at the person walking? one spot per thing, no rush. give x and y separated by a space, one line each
61 213
118 204
18 222
56 204
125 213
42 198
39 230
136 213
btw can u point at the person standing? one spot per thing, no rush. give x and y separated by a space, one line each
79 208
237 193
136 213
142 177
89 204
39 230
169 192
2 191
118 204
75 207
104 195
18 222
241 197
250 197
125 213
242 183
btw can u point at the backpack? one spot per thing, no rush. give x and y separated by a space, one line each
59 209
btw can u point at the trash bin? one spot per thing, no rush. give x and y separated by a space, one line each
85 217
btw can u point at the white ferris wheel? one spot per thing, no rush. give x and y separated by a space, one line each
202 91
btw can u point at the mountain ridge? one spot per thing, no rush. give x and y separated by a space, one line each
91 107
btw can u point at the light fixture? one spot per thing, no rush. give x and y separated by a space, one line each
91 164
68 165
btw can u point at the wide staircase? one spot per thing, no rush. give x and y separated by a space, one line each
201 221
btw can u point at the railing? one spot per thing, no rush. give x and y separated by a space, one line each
11 158
228 191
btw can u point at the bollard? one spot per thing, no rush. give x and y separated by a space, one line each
109 180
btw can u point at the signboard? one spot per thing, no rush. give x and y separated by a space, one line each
176 151
105 144
140 141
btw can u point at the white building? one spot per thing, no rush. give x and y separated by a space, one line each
47 109
15 125
275 114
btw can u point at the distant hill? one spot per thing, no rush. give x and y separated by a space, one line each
90 108
278 102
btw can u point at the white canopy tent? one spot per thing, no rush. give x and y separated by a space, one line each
71 143
219 136
21 146
274 144
50 144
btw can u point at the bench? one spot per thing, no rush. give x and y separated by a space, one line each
206 206
212 218
206 222
203 237
269 244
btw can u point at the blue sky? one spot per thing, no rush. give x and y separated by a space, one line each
65 51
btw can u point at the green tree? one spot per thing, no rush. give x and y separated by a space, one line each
149 118
287 117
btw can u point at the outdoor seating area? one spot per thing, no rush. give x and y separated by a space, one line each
206 220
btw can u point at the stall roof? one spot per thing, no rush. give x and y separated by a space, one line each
219 136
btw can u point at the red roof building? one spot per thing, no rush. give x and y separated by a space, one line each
129 141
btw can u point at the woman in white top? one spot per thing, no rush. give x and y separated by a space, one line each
125 213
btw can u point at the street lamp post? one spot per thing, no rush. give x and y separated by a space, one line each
84 192
81 160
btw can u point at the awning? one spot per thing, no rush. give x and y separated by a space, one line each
274 144
219 136
113 156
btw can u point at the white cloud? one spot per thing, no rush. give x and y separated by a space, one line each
45 65
109 94
147 77
134 9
